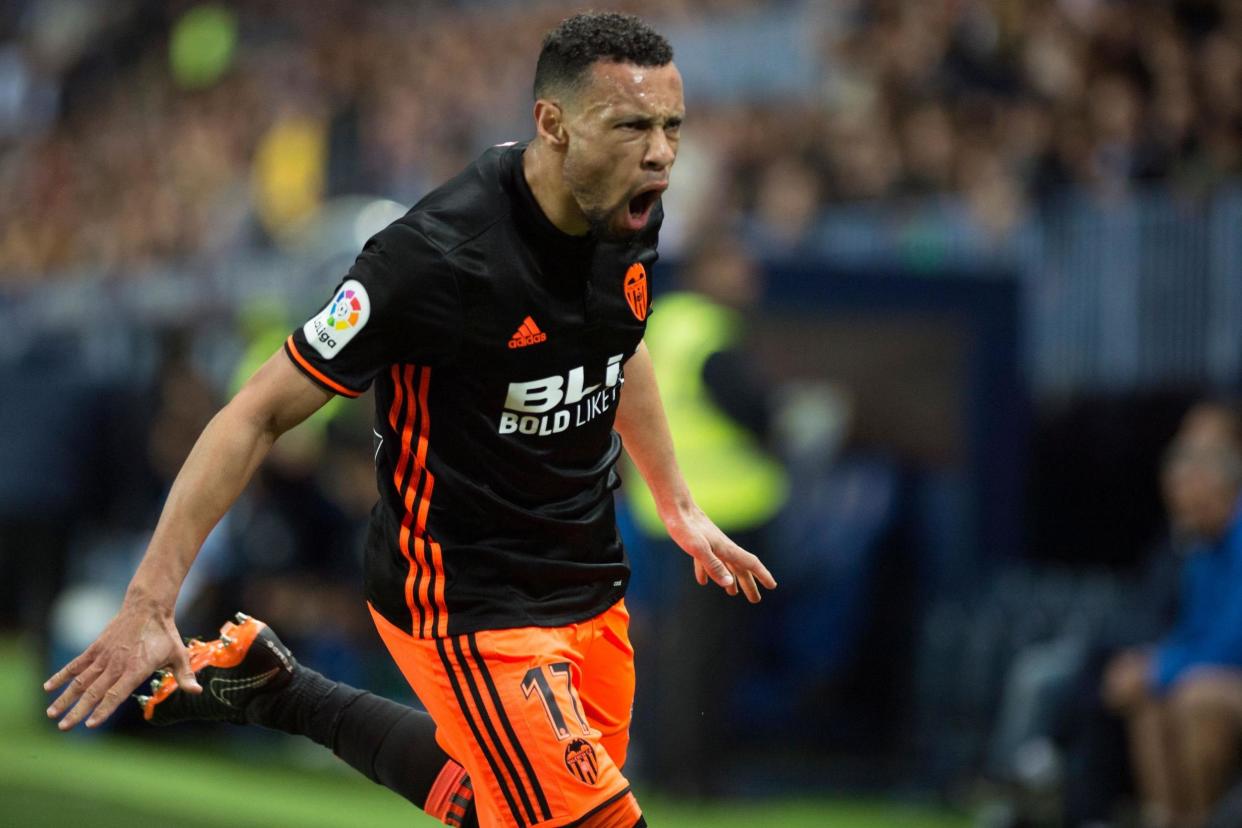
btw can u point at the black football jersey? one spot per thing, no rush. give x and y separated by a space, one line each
497 346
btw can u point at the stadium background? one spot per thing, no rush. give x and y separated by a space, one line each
1000 249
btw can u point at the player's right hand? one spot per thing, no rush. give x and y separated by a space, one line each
138 641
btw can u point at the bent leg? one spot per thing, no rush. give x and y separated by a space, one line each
391 744
1127 692
1207 713
1149 727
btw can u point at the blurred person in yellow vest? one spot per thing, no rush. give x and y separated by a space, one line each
263 327
715 399
721 408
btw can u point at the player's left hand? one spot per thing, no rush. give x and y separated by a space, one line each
716 557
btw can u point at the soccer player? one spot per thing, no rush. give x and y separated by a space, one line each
497 320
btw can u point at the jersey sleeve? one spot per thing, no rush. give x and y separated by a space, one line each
398 303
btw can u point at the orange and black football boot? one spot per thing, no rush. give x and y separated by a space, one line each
247 660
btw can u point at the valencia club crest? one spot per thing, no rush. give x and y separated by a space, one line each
636 290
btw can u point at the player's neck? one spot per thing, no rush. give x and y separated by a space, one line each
542 169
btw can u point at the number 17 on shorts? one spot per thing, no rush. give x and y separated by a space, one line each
538 716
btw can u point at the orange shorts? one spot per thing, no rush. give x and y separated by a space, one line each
538 716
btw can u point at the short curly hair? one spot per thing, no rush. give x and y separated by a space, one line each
571 48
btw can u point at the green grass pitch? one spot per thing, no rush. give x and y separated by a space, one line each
50 779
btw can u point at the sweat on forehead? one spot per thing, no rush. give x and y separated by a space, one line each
646 90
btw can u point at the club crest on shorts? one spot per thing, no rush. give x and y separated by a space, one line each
580 759
636 290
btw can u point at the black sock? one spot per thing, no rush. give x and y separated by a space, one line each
303 707
390 743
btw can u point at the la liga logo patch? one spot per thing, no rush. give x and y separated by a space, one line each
346 310
331 329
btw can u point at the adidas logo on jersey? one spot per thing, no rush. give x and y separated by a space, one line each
527 334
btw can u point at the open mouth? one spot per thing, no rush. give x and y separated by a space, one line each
641 205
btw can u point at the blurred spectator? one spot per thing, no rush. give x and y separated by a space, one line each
55 426
715 398
1182 699
720 409
1056 752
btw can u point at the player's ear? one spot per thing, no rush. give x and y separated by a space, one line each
550 123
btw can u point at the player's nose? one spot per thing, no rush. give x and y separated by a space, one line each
660 152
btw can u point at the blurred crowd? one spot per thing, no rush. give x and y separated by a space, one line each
1003 103
135 133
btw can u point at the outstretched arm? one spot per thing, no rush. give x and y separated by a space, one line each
143 637
644 429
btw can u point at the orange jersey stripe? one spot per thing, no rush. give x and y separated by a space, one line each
422 587
434 593
424 504
403 537
419 513
316 373
437 562
398 397
407 433
403 540
395 372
